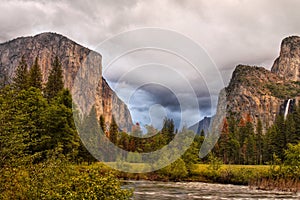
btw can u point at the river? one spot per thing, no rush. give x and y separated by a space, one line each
148 190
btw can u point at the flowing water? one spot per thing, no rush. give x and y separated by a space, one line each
148 190
287 107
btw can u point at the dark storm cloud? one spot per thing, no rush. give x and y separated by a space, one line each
231 31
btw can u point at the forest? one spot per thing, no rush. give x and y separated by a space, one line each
42 155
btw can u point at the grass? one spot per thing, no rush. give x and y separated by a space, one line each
203 168
233 174
256 176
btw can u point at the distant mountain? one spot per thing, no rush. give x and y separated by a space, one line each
73 57
255 93
202 125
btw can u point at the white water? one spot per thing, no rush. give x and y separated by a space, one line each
286 112
148 190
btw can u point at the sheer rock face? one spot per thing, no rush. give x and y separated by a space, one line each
248 95
256 93
287 65
201 125
74 58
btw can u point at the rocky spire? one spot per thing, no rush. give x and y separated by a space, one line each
287 65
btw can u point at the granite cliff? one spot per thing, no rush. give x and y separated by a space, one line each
201 125
255 93
73 57
287 65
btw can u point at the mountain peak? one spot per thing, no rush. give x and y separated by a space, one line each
74 58
291 39
287 65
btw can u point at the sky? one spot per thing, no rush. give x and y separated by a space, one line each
231 32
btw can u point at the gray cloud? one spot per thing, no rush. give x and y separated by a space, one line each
231 31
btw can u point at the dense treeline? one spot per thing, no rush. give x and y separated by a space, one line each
40 117
39 144
137 141
240 143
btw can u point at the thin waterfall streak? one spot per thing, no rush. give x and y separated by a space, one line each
286 112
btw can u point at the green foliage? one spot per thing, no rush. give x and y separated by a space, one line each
21 122
191 156
35 75
39 144
168 129
292 160
175 171
4 80
102 123
230 174
20 80
239 143
57 179
284 90
134 158
214 162
113 131
55 80
60 127
14 131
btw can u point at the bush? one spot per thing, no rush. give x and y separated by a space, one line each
56 179
175 171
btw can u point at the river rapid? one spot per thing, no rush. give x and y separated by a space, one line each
148 190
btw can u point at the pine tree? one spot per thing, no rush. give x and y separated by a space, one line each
259 141
297 123
55 80
223 142
20 79
202 133
59 125
102 123
280 140
168 129
35 75
3 76
113 131
290 130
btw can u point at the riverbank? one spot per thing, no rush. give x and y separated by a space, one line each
226 174
156 190
255 176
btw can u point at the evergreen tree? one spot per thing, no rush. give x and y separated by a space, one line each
55 80
168 129
279 140
113 131
102 124
250 150
12 134
3 76
60 127
290 130
89 132
35 75
202 133
20 79
296 117
223 142
259 142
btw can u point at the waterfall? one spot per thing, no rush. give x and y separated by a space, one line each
287 107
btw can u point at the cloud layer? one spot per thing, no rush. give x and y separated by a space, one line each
231 31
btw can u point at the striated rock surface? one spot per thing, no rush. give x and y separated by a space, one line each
201 125
74 58
287 65
250 94
255 93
